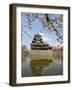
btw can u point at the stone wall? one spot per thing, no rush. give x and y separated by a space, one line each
41 54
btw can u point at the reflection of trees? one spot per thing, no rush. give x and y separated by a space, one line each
25 52
58 55
38 65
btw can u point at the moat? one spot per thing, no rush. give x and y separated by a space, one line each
42 67
41 60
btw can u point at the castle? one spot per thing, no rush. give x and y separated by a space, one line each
38 44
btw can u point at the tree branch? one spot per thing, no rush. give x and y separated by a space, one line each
48 20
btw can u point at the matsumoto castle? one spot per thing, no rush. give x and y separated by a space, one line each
38 43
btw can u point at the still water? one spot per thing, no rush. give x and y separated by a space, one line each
41 67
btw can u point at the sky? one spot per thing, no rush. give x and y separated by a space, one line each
36 27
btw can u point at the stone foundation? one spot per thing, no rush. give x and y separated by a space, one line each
41 54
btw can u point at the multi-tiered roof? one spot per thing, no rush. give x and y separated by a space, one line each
38 44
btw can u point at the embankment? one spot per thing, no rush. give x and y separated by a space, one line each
41 54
